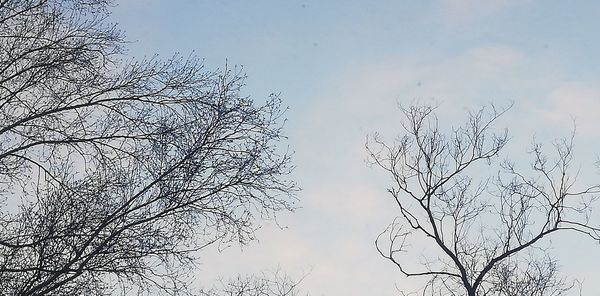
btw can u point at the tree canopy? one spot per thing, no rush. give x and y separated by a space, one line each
482 214
114 170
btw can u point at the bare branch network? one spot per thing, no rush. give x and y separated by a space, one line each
274 283
112 172
485 229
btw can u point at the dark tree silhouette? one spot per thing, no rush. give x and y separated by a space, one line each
484 230
114 171
275 283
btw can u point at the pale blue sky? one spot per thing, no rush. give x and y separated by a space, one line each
341 66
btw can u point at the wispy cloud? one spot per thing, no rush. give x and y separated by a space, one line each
574 103
368 95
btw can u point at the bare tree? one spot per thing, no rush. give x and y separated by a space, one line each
273 283
483 231
113 172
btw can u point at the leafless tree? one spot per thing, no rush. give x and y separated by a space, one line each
113 172
482 232
273 283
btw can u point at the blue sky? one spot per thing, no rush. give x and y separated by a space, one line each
342 67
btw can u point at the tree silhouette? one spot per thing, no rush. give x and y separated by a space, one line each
484 231
273 283
114 171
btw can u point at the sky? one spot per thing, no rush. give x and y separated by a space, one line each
343 67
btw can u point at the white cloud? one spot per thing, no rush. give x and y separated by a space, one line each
491 59
574 101
367 97
357 203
